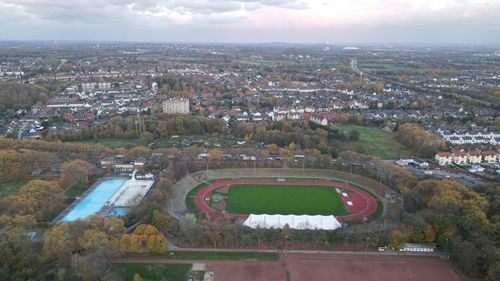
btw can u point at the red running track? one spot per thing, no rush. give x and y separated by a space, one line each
363 203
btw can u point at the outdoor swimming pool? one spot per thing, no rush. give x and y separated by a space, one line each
95 199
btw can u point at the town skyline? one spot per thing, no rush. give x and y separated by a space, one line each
254 21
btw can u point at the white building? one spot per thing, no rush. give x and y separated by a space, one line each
444 158
474 157
175 106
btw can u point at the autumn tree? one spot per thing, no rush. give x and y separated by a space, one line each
144 239
10 164
429 234
41 199
215 155
397 238
423 143
75 171
58 244
273 149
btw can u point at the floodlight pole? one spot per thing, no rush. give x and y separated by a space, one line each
366 246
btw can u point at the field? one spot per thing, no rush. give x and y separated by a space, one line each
113 143
320 266
164 272
238 198
389 66
376 142
12 186
204 255
284 199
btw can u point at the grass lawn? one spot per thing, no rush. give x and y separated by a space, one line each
221 256
191 206
376 142
284 200
164 272
390 67
113 143
12 186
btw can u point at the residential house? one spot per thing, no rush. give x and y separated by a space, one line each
444 158
459 157
490 157
474 157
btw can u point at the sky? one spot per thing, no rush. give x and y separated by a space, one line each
254 21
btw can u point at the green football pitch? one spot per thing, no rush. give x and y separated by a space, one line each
284 200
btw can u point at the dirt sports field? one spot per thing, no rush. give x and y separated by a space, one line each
326 267
342 267
358 203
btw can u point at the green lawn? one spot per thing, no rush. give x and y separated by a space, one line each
284 199
12 186
191 206
390 67
113 143
165 272
221 256
376 142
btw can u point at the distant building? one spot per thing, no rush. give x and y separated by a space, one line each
444 158
175 106
415 248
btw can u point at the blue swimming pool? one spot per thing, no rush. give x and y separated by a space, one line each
95 200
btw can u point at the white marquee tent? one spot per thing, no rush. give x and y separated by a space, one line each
293 221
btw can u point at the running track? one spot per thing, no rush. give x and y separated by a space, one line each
363 203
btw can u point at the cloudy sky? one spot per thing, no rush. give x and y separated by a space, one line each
304 21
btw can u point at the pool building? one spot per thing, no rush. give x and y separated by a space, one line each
110 196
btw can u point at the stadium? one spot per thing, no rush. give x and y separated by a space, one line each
271 198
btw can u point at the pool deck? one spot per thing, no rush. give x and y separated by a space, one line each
131 192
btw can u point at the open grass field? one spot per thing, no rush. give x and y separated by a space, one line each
164 272
113 143
284 199
386 67
12 186
189 255
376 142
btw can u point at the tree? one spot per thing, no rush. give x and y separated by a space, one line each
75 171
93 239
144 239
137 277
353 135
10 164
20 259
57 243
187 226
494 272
396 240
273 149
41 199
81 269
286 234
466 255
156 244
162 129
325 160
215 155
146 138
429 234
